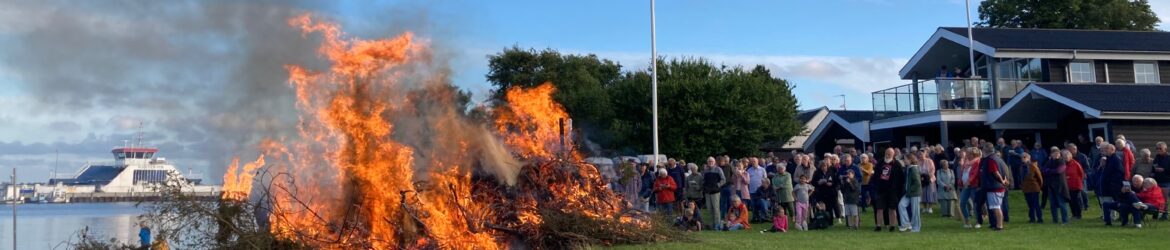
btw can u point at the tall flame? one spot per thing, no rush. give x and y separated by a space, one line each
239 186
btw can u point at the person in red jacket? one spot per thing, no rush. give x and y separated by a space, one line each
1127 157
1075 174
664 187
1152 196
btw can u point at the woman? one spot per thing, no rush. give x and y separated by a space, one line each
1054 171
824 180
737 216
1144 164
740 181
946 189
928 181
1076 183
664 187
866 167
969 182
1032 184
910 215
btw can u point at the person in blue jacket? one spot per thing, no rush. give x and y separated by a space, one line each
143 235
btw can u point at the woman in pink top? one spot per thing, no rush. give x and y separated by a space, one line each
741 181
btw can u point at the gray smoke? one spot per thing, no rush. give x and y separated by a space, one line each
208 74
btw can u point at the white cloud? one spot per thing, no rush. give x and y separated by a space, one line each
1162 9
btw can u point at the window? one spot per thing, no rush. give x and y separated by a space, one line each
1081 72
1145 72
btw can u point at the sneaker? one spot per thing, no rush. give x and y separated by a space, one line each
839 221
877 229
892 228
903 229
1139 226
966 226
978 226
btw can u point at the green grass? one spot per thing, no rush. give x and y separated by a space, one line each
944 233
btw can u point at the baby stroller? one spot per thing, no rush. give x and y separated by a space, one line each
821 219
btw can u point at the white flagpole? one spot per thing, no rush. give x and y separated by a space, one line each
970 42
654 81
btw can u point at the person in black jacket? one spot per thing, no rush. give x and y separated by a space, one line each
887 183
1112 174
825 181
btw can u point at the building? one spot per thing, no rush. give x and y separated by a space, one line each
1038 85
825 129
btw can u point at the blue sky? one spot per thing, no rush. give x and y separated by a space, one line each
201 78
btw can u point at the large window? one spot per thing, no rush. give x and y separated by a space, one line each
1081 72
1145 72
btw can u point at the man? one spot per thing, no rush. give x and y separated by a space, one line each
1000 145
756 177
725 193
887 184
1013 154
678 173
1162 171
1039 154
713 182
1112 174
993 183
1007 173
143 235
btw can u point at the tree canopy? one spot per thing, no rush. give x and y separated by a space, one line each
1068 14
703 109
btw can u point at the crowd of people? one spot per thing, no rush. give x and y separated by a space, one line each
900 185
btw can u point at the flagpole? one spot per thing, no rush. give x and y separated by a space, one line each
970 41
654 81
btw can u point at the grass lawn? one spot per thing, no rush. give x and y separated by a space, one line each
945 233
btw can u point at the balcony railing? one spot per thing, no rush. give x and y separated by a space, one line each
946 94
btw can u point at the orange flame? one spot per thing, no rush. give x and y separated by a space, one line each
534 124
239 186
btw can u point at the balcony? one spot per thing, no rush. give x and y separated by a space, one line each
947 94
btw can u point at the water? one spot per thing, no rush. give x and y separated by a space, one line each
49 226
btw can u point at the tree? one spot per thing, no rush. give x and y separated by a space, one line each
1068 14
704 110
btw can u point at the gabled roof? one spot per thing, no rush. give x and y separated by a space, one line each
1039 103
1067 39
817 121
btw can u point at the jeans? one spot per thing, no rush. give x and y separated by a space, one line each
724 200
864 197
713 206
965 203
732 227
1004 207
1035 214
1057 202
666 208
1076 203
912 217
760 210
981 205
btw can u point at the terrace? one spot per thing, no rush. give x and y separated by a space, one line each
947 94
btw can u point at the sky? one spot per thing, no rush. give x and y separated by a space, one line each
204 80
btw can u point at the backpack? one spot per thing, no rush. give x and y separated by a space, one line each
821 220
711 182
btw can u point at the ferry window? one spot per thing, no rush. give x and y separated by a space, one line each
149 155
1145 72
1081 72
121 156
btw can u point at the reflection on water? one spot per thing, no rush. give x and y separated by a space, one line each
49 226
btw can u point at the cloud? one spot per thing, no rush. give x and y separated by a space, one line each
64 126
1162 9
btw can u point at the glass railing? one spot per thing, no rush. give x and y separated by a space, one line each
945 93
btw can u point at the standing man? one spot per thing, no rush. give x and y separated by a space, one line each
678 173
756 177
1112 174
1083 161
993 183
1039 154
713 181
143 235
887 184
1013 154
1162 171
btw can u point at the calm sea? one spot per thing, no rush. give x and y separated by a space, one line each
52 226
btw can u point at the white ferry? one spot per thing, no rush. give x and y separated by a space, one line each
135 175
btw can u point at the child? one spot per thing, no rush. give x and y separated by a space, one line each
852 193
802 191
779 220
822 217
737 216
689 220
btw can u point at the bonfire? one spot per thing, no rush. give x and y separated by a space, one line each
386 160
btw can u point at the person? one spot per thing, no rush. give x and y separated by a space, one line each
1039 154
1014 155
927 170
713 181
1006 172
1127 158
143 235
993 184
805 167
764 202
851 192
782 184
1076 183
678 172
866 167
825 179
1126 203
970 201
779 221
1112 176
726 191
946 189
821 218
1152 197
908 206
1054 170
1032 184
740 180
887 188
737 216
694 184
756 177
802 192
1162 171
689 220
1090 173
664 188
1144 164
647 192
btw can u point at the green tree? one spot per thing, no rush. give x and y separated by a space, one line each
704 110
1068 14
